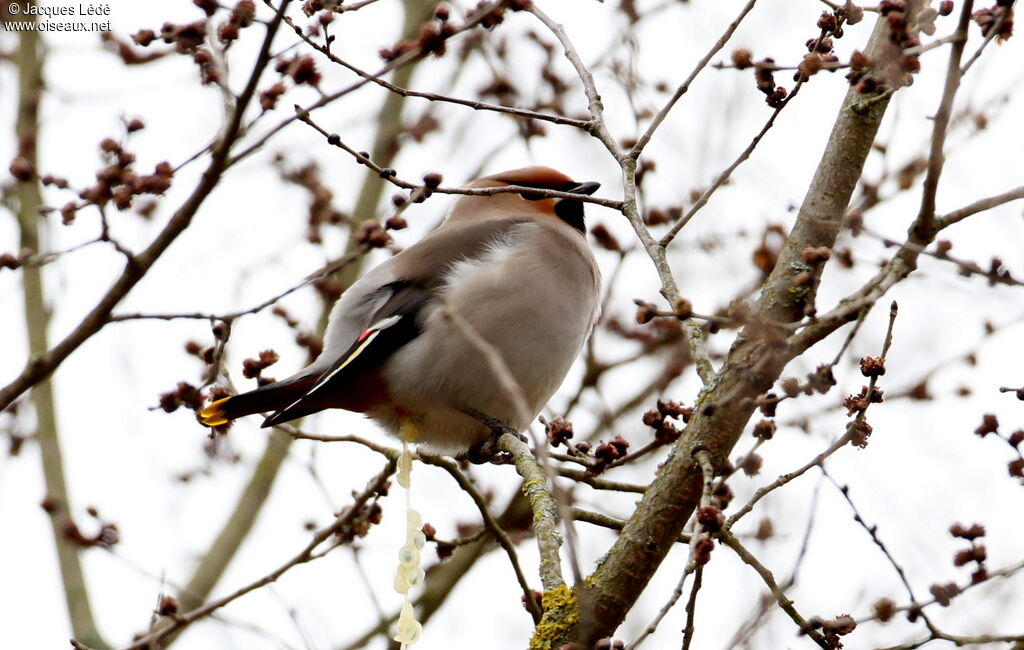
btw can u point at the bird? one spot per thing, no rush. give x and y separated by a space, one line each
516 267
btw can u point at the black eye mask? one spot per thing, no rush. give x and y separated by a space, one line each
569 211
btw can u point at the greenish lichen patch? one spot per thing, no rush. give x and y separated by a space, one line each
561 614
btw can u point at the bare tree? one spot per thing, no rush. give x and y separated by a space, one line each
678 407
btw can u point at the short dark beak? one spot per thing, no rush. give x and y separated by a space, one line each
583 188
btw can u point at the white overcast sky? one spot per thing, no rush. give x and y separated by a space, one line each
922 471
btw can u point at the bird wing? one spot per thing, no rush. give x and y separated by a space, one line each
392 310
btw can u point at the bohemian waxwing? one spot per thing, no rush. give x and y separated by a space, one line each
515 266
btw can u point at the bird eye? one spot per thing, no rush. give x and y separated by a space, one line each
531 196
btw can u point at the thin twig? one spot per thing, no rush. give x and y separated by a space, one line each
940 123
492 526
305 555
785 603
691 605
434 97
390 176
413 55
723 176
323 271
598 125
993 32
583 476
708 471
786 478
642 141
980 205
41 365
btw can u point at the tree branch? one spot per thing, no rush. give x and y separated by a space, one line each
29 64
685 86
780 596
42 365
751 367
307 554
492 526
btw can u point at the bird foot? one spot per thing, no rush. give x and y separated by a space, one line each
487 450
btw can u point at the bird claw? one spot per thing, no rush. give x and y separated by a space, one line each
487 450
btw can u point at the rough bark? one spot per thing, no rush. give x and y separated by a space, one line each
750 369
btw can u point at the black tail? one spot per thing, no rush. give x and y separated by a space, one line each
272 397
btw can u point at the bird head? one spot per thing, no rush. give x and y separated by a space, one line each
525 203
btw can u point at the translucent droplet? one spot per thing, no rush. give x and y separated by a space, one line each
415 577
401 583
408 629
404 470
419 540
415 633
408 555
413 520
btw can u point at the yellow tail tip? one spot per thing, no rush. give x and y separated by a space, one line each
213 414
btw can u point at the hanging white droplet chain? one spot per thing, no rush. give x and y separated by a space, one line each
409 574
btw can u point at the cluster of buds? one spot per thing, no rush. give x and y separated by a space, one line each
118 182
491 14
321 198
884 609
710 520
765 429
368 515
665 432
833 628
1016 466
431 37
989 424
269 97
659 216
105 537
184 394
400 201
12 261
203 353
892 66
944 594
185 38
608 452
301 69
820 54
858 429
189 38
975 553
857 404
372 233
241 17
604 238
763 75
558 431
997 20
252 368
